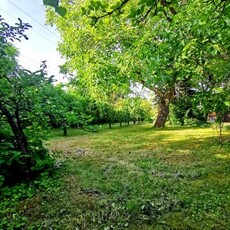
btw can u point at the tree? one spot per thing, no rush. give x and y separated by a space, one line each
156 56
205 57
101 53
66 108
8 65
22 151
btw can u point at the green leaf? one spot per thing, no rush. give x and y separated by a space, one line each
227 103
133 13
115 6
61 11
149 2
83 11
96 4
105 5
53 3
160 9
93 21
1 180
141 2
91 7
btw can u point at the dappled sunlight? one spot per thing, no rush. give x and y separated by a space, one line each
182 147
222 156
141 137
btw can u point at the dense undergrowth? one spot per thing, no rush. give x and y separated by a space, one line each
127 178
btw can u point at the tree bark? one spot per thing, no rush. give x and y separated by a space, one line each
21 140
164 99
64 131
163 111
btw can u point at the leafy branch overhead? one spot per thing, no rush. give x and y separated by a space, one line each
13 32
134 42
97 10
138 11
58 9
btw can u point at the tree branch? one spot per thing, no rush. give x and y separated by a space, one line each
96 18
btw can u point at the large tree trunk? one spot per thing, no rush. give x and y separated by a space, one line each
20 138
164 99
163 111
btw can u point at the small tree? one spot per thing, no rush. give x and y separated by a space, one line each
21 150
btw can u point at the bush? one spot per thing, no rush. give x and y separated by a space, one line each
16 166
149 120
193 122
226 127
174 120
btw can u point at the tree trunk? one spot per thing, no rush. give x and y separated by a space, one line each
64 131
21 140
164 98
163 111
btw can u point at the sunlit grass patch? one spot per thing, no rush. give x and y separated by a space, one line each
223 156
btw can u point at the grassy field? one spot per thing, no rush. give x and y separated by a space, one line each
132 177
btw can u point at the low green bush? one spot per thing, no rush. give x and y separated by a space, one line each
16 166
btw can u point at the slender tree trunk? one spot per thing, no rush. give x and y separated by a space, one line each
221 125
21 140
110 125
64 131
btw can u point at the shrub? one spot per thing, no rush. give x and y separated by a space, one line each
193 122
16 166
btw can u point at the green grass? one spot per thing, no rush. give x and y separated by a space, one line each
132 177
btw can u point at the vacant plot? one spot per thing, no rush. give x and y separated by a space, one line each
128 178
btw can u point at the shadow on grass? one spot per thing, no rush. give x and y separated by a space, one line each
72 132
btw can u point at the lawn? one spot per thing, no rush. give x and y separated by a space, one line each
132 177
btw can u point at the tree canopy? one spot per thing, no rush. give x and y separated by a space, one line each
169 47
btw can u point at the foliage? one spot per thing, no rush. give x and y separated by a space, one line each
193 122
135 109
139 12
185 50
227 127
11 215
21 119
55 3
